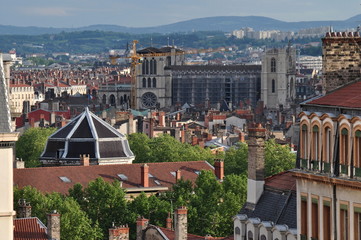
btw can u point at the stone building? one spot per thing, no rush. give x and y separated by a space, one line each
7 145
341 61
329 166
278 78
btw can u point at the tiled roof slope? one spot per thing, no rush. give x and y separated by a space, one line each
171 235
348 96
29 229
5 118
47 179
278 201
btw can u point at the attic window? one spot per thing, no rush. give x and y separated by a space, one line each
65 179
173 174
150 175
157 182
122 177
197 172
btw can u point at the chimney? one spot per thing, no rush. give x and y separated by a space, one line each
256 145
169 222
84 160
24 210
142 224
181 225
52 118
241 137
53 226
219 168
32 122
131 124
144 175
161 119
19 163
178 175
119 233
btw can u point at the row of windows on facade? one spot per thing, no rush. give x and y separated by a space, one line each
112 100
149 66
327 218
150 83
22 96
250 235
321 150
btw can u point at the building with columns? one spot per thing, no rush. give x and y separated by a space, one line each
329 167
7 145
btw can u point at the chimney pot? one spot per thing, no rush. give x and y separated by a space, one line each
142 224
144 175
181 224
219 168
178 175
54 226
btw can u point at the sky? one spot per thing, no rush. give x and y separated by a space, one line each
146 13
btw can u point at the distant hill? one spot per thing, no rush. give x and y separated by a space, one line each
225 24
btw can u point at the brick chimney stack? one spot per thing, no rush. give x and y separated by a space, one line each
256 155
181 224
178 175
169 222
219 168
84 160
24 210
161 119
144 175
119 233
142 224
54 226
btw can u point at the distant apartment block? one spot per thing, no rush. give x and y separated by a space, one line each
310 62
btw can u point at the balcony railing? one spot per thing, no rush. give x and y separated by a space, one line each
326 167
315 165
357 172
304 163
343 169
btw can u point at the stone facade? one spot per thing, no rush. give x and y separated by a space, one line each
341 61
278 78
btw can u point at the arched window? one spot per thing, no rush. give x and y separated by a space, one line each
315 142
250 235
149 82
144 82
154 66
154 82
357 151
273 85
263 237
104 99
304 141
327 149
146 66
344 147
237 231
273 65
143 66
290 61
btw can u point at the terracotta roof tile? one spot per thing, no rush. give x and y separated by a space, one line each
282 181
348 96
162 172
171 235
29 229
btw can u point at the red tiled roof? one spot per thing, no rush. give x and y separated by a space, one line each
171 235
348 96
47 179
19 85
282 181
29 229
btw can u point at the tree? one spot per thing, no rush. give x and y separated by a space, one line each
103 202
31 144
75 224
278 158
236 160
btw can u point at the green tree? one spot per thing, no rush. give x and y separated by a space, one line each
236 160
75 224
278 158
139 143
31 144
103 202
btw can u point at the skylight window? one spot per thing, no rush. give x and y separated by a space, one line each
173 173
197 172
150 175
65 179
122 177
157 182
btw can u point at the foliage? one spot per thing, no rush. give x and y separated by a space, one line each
31 144
103 202
236 160
278 158
165 148
74 223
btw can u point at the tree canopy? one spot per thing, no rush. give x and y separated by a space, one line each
31 144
